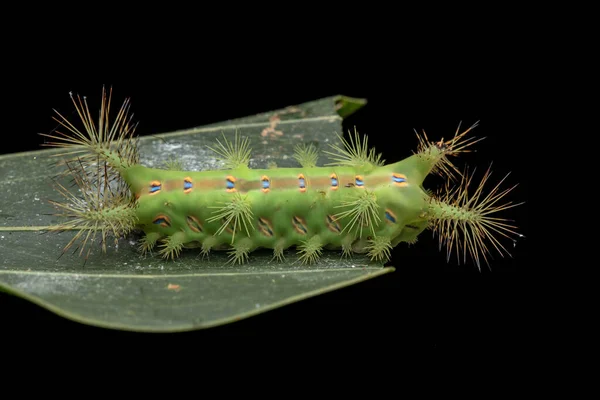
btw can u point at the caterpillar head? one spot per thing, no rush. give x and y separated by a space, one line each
465 223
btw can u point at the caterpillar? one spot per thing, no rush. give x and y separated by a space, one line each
355 204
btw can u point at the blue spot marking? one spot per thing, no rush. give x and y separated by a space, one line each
397 179
230 185
160 221
187 185
334 182
266 184
389 217
154 188
359 182
302 183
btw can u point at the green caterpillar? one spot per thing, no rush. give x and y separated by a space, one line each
355 205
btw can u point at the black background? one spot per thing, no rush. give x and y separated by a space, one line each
427 303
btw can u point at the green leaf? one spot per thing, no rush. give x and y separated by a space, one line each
347 106
125 290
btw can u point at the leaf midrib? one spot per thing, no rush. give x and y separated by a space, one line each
166 275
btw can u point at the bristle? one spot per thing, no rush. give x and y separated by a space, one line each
379 248
347 247
234 213
412 242
114 143
355 153
454 211
148 242
207 245
306 156
233 155
363 212
101 208
173 164
458 144
278 251
310 250
172 245
240 251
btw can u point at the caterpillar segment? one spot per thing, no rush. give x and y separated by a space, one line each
357 204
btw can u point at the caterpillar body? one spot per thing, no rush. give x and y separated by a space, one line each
357 204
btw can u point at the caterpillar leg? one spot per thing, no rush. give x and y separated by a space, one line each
148 242
172 245
207 245
379 248
347 247
240 251
280 246
310 250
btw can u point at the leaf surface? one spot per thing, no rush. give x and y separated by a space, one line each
125 290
